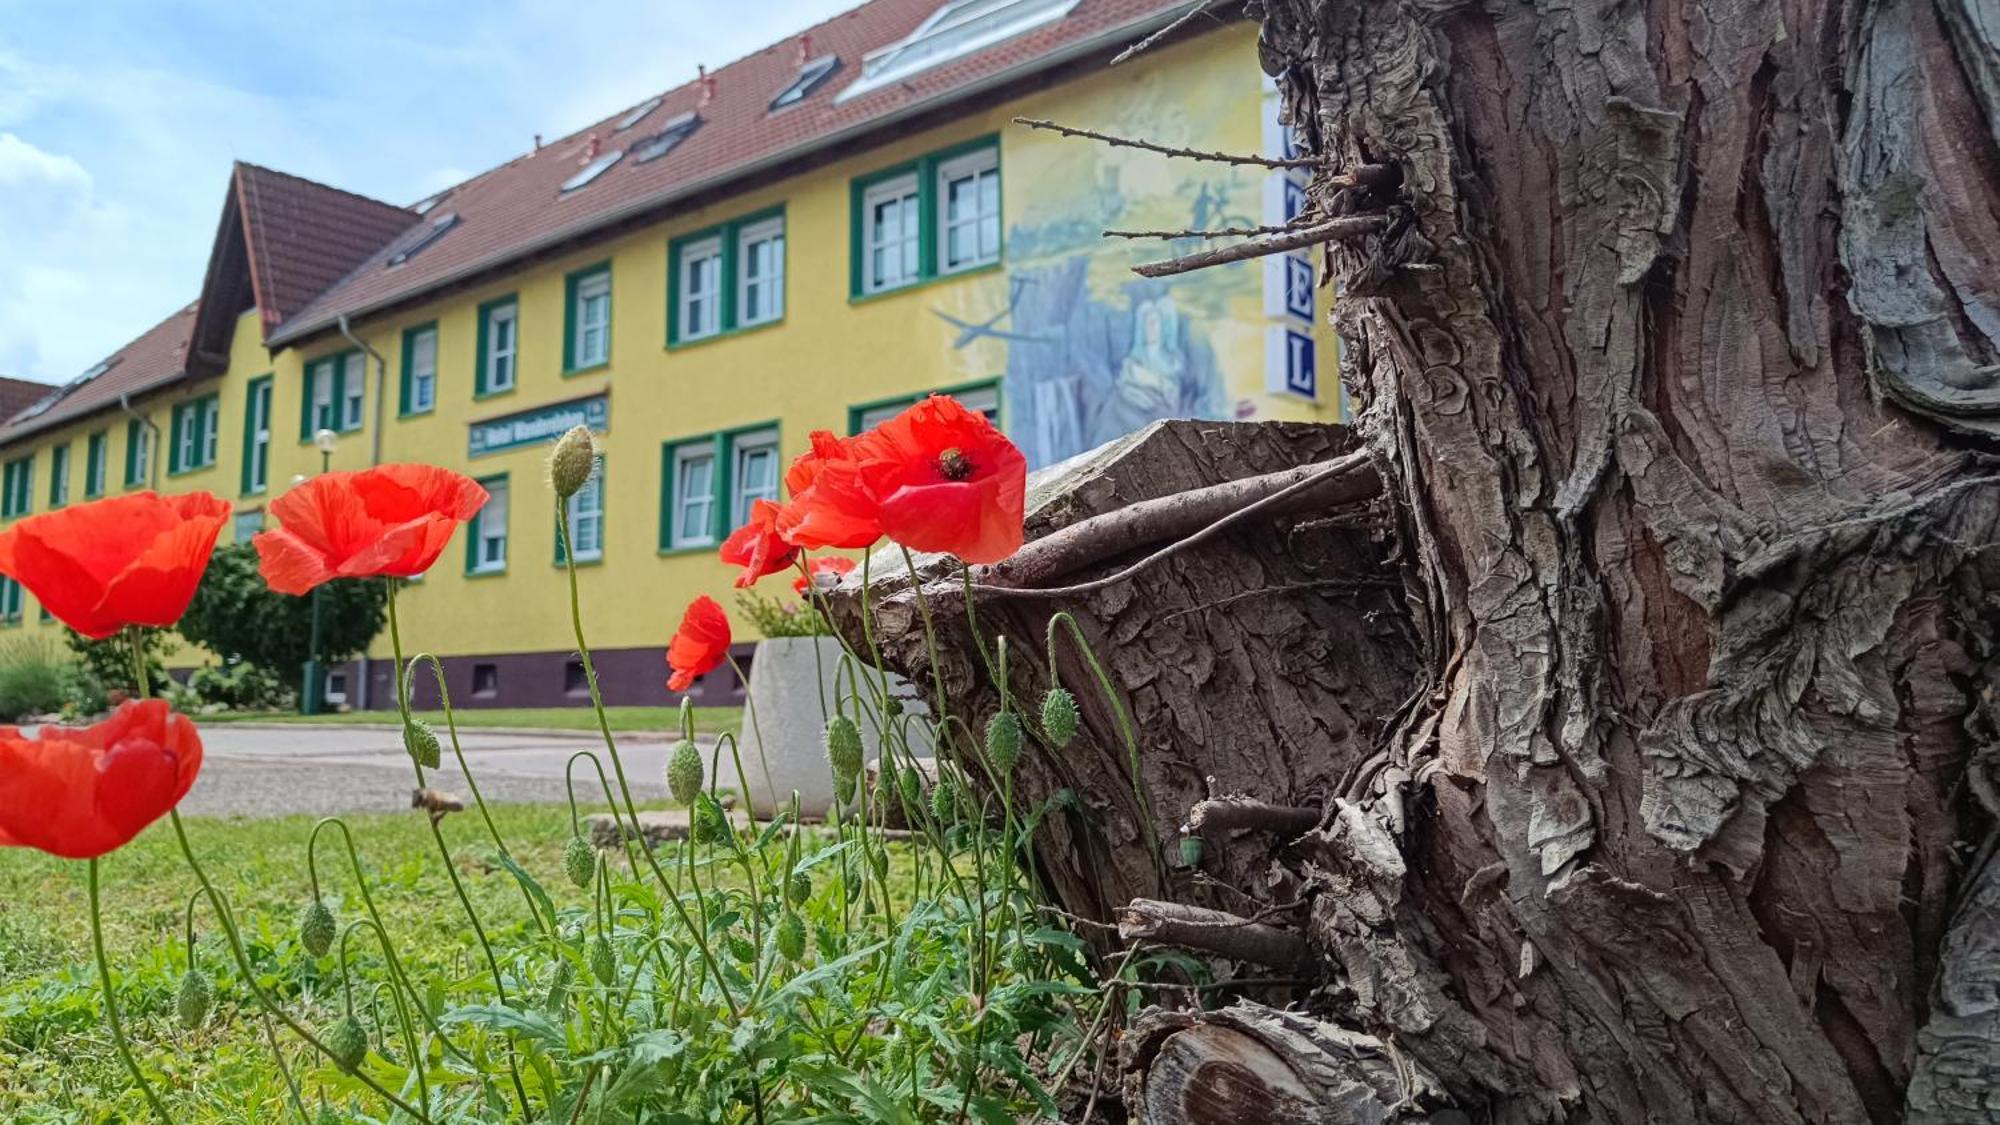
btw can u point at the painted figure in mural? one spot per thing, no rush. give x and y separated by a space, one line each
1156 379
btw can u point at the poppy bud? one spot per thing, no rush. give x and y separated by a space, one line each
791 937
1003 741
558 997
684 771
843 747
741 948
422 743
912 782
195 996
1059 716
316 928
798 888
603 965
571 461
579 861
347 1043
944 801
709 824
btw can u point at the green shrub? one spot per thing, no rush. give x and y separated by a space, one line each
789 617
107 664
240 687
35 677
237 617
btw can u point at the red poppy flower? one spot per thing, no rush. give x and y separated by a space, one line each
757 547
946 480
125 560
79 792
391 520
700 645
823 571
831 506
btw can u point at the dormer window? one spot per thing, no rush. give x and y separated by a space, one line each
425 207
637 115
675 131
957 29
597 167
438 228
811 76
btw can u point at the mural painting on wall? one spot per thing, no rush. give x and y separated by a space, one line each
1092 351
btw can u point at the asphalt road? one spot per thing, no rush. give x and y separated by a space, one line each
279 770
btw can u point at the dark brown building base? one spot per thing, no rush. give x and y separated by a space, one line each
627 677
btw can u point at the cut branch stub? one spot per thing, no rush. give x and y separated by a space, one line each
1214 931
1224 814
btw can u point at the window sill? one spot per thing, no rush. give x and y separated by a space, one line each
591 369
191 470
725 334
482 396
491 572
563 565
402 415
866 296
690 549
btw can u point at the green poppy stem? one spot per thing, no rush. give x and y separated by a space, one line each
111 1005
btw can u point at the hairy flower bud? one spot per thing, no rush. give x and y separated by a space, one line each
603 965
347 1043
579 861
684 771
740 947
192 1003
422 743
1003 741
571 461
1059 716
843 747
798 888
944 801
791 937
558 997
316 928
911 782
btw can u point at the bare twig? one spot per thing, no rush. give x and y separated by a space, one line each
1222 232
1332 230
1181 21
1169 150
1223 814
1214 931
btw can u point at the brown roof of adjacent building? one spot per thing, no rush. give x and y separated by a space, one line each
19 394
304 236
520 208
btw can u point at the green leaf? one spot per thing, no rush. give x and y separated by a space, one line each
511 1021
528 884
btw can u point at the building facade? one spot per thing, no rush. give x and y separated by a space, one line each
809 238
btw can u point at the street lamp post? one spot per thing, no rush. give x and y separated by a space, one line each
312 697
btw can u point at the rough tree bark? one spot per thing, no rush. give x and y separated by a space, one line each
1679 363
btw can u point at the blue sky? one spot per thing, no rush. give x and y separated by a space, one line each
119 120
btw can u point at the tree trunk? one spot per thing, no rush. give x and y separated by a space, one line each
1679 366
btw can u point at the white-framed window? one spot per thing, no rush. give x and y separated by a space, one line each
10 601
969 210
892 233
247 524
489 531
353 384
211 429
257 436
423 360
701 289
760 264
187 454
693 508
753 472
497 366
18 495
590 321
59 475
97 464
322 398
984 399
956 29
138 452
586 518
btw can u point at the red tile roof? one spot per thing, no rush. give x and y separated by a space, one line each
519 208
304 236
154 359
18 394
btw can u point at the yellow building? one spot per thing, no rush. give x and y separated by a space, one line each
808 238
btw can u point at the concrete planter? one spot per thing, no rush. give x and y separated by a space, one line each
786 681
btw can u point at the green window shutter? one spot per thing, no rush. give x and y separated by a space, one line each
569 321
403 376
174 442
93 481
132 451
249 434
479 360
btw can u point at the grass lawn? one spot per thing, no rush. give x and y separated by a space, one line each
57 1062
710 719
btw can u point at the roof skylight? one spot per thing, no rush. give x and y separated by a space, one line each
424 207
437 230
637 115
592 170
811 75
41 405
957 29
676 130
